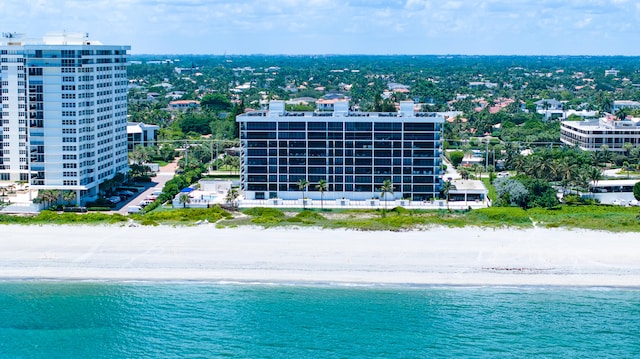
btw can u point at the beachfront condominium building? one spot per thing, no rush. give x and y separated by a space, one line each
64 111
352 152
591 135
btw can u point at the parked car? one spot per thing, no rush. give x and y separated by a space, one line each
75 209
114 199
145 202
125 193
134 209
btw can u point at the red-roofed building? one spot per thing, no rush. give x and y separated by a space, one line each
183 105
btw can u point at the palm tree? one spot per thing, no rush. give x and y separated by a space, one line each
232 196
627 146
387 187
184 199
321 187
464 173
567 173
625 166
446 188
68 196
49 196
594 174
605 155
303 184
476 168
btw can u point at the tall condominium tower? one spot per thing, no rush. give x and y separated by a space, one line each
64 111
352 152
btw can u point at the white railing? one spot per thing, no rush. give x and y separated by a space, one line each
363 204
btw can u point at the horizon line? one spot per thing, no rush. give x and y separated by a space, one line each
381 55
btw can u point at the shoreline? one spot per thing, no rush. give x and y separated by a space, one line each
436 257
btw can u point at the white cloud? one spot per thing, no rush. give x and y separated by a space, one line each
360 26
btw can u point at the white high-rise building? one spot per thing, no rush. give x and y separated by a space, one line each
64 111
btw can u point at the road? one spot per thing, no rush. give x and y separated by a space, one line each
165 174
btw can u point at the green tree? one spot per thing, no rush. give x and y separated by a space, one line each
636 191
594 174
303 184
387 187
232 197
184 199
68 196
321 187
456 158
446 188
215 102
196 122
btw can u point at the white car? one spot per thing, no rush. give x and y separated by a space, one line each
145 202
134 209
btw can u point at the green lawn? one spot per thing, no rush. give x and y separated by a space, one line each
492 190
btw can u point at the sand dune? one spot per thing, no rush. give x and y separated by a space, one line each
440 256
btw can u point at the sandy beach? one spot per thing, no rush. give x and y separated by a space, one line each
440 256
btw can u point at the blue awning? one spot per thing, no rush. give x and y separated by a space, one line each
186 190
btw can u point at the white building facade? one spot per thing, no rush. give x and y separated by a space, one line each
591 135
64 111
352 152
141 134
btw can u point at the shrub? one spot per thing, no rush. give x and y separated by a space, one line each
212 214
309 215
98 209
264 212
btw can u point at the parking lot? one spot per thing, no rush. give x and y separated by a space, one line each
166 173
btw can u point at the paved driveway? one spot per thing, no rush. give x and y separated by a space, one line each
157 183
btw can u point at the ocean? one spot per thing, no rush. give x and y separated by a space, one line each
218 320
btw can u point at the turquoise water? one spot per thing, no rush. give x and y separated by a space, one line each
206 320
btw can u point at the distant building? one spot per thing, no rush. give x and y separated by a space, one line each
611 72
354 152
327 102
141 134
624 104
548 104
181 105
186 70
478 84
590 135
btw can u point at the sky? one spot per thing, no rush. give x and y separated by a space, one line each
242 27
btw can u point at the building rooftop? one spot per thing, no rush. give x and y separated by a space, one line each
50 38
341 109
605 123
468 185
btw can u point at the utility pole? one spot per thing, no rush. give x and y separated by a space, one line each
186 156
486 152
211 152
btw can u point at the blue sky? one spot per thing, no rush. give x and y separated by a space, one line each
482 27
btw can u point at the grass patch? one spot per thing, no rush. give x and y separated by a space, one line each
493 195
500 217
183 215
50 217
597 217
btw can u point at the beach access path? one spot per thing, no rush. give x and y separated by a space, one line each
438 256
